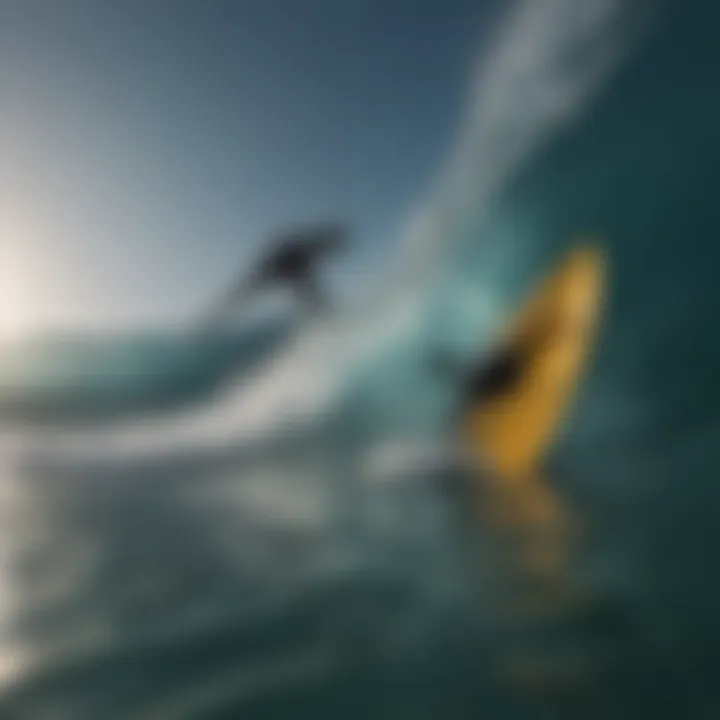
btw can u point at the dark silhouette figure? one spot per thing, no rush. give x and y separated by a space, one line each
291 262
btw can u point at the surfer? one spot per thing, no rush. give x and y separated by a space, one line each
290 262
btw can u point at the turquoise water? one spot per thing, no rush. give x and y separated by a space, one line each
267 572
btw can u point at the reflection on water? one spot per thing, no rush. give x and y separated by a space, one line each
129 587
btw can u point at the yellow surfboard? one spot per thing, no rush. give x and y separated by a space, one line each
512 428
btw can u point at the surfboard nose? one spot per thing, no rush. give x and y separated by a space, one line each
581 281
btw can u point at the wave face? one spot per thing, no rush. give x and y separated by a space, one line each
286 549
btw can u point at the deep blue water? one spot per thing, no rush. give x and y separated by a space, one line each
176 571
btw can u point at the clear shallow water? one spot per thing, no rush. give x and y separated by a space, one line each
247 560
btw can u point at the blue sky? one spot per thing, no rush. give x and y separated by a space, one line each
148 146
